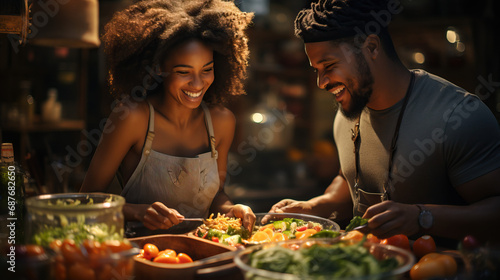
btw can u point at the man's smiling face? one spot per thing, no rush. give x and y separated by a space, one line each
344 72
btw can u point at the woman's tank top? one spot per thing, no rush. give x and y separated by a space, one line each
187 184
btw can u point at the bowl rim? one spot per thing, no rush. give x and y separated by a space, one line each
245 268
40 202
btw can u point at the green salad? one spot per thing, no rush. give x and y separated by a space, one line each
320 261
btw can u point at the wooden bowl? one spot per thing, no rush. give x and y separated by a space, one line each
210 260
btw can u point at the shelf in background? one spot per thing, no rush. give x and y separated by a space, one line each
63 125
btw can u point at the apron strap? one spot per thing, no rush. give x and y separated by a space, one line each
208 121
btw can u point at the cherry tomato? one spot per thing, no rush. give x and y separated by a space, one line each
168 252
398 240
165 258
470 243
56 245
184 258
71 252
423 246
215 239
302 228
150 251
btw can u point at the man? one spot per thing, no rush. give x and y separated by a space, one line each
418 155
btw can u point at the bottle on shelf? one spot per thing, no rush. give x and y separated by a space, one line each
51 108
12 209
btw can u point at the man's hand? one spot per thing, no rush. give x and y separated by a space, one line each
389 218
292 206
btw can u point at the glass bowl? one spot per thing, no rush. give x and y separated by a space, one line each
405 260
76 216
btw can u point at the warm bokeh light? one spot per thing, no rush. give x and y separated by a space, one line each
258 118
460 47
452 36
419 57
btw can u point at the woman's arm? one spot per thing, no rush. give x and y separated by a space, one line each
124 128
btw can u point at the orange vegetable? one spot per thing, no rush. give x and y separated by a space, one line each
423 246
372 238
305 234
353 235
164 258
150 251
434 265
184 258
398 240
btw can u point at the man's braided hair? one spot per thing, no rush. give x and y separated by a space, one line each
137 40
327 20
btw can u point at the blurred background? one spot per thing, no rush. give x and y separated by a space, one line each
283 147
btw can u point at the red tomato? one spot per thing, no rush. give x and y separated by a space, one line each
184 258
169 252
150 251
165 258
33 250
302 228
56 245
215 239
423 246
71 252
398 240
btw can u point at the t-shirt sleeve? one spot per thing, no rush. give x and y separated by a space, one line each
472 145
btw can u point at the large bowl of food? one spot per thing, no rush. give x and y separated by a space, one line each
269 227
323 258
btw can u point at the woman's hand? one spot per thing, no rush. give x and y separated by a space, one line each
245 213
158 216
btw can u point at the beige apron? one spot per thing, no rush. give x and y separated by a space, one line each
186 184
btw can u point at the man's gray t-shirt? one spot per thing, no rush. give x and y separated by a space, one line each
447 138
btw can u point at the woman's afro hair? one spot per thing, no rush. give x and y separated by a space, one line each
137 39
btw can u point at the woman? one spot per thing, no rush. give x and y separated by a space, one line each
172 64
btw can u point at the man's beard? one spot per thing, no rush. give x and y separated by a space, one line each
361 96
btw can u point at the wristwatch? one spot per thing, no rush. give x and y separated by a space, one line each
425 219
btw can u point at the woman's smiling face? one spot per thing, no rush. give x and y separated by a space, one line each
190 72
343 71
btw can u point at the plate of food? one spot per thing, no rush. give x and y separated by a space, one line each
269 227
